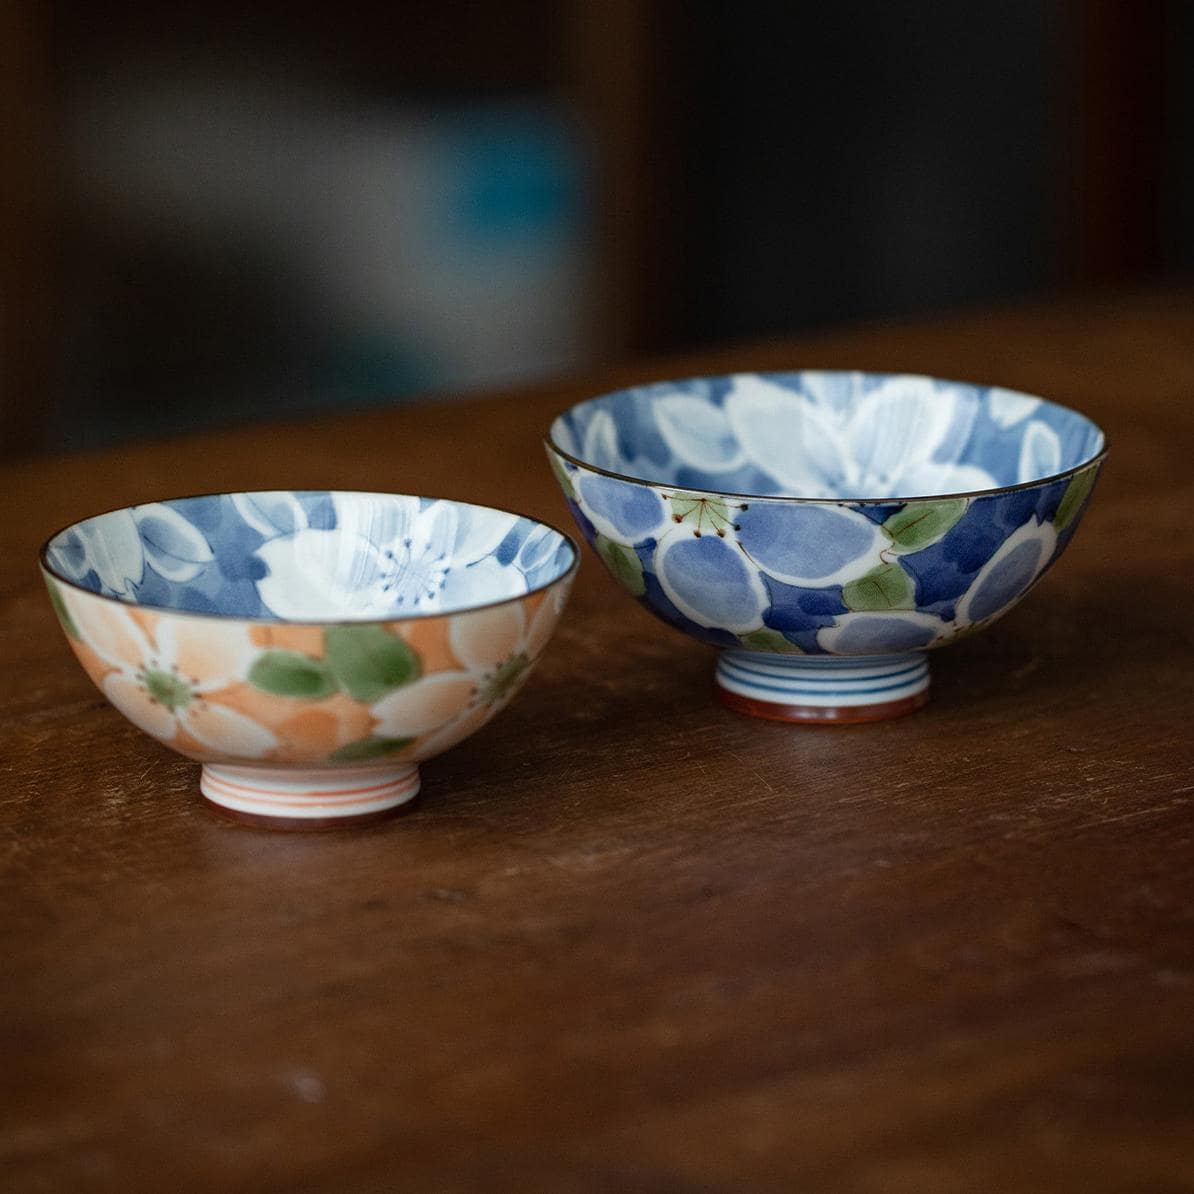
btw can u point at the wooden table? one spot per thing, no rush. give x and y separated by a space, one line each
632 941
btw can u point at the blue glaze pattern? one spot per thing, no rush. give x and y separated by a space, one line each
310 555
827 435
752 511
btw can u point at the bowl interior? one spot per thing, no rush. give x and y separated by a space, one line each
827 435
310 556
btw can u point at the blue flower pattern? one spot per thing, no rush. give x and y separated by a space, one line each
310 555
831 576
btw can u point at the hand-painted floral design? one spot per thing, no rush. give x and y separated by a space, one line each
897 438
116 553
846 436
309 556
496 649
168 676
785 575
398 557
357 694
330 680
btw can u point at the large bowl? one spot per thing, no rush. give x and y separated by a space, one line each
309 648
825 529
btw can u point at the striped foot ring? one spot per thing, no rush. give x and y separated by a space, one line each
307 799
822 688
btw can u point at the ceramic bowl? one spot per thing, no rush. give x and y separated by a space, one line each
310 649
825 529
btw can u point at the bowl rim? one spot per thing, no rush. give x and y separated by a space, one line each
208 615
894 500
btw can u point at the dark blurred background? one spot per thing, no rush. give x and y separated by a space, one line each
218 211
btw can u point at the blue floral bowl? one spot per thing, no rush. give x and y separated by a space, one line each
310 649
825 529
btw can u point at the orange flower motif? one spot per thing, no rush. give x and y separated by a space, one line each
165 678
497 647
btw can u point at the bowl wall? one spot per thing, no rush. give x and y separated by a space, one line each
151 601
221 690
816 575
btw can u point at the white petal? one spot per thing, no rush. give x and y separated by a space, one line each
959 431
454 731
479 584
1040 452
68 554
894 430
543 625
226 731
113 548
787 436
174 547
276 513
322 574
539 547
836 393
1008 408
134 702
484 638
562 437
697 432
931 479
109 631
601 444
377 519
419 557
424 705
434 530
479 532
558 596
211 655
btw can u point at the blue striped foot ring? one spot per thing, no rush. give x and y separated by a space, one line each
823 688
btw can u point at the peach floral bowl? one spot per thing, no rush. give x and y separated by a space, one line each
310 648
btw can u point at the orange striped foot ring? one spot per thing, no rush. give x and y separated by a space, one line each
308 799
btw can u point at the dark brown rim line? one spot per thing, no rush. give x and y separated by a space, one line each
688 490
207 615
1097 458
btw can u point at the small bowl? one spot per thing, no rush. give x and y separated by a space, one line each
826 529
310 649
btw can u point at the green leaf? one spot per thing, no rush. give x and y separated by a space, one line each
365 749
368 661
565 481
624 563
885 587
1076 492
920 523
58 602
769 640
288 673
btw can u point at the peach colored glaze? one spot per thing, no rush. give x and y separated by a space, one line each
471 664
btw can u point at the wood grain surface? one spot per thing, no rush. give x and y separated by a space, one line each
631 941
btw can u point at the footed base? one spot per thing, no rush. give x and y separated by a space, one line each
831 689
308 799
